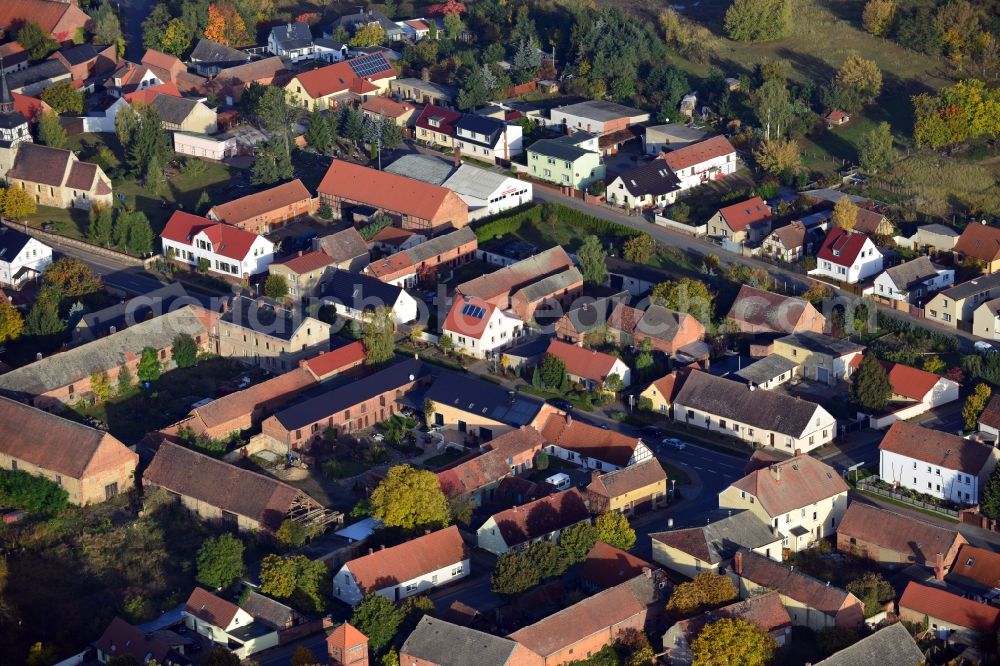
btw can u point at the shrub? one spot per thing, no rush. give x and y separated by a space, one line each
31 493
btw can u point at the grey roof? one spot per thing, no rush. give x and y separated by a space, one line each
661 323
766 369
912 273
426 168
343 246
136 309
360 291
642 272
481 397
720 540
653 178
446 644
344 397
209 51
550 285
329 43
683 132
80 54
265 317
352 21
600 110
441 244
174 110
492 128
435 89
822 344
733 401
833 196
889 645
292 35
939 230
979 285
47 69
561 149
75 364
269 612
12 242
474 182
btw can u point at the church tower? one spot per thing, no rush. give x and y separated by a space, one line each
13 126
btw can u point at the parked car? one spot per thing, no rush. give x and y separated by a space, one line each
562 404
674 443
652 432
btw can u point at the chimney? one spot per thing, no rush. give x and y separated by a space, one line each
112 330
647 572
38 356
300 253
939 567
776 472
381 547
458 157
370 551
738 563
798 452
569 417
594 475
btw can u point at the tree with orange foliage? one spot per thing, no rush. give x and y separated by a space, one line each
447 8
225 25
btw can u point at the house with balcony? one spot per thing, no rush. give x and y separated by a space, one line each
214 247
573 160
698 163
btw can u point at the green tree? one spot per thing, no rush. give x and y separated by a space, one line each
148 144
41 655
475 90
318 133
410 499
278 576
875 151
155 26
845 213
513 574
305 582
453 26
639 249
220 561
17 203
370 34
276 286
613 529
989 499
553 371
576 541
220 655
707 590
758 20
71 277
446 343
354 126
43 318
36 41
870 388
378 334
149 368
378 619
102 221
50 132
184 351
975 404
834 639
107 27
125 381
126 124
303 656
779 157
773 107
100 385
63 98
140 235
732 641
548 559
390 658
873 590
878 16
686 295
414 609
592 261
176 38
859 82
11 322
614 383
272 163
291 534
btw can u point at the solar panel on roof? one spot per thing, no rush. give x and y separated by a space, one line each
369 65
474 311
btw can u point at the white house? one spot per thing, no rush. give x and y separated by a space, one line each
913 281
935 463
768 418
292 40
329 50
218 147
228 250
413 567
479 328
801 498
914 392
22 257
590 367
592 447
701 162
847 256
487 192
226 624
352 294
650 184
488 139
541 520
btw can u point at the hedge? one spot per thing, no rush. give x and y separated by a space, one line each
31 493
535 214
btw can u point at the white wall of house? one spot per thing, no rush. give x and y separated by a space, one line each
489 539
35 255
700 173
345 587
502 329
885 287
204 146
641 453
509 144
818 520
215 633
943 392
933 480
867 264
821 430
403 310
294 55
105 122
618 194
256 261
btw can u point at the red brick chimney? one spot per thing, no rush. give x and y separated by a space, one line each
458 157
776 472
939 567
738 563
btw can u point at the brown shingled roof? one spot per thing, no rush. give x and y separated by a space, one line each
40 164
936 447
791 484
606 445
344 245
764 610
238 407
607 566
259 203
586 363
409 560
794 584
307 262
629 479
978 564
696 153
767 310
920 541
491 466
384 190
541 517
979 241
81 176
212 609
509 279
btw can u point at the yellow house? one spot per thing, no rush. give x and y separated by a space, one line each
358 78
436 126
691 551
482 408
633 489
822 358
661 393
960 303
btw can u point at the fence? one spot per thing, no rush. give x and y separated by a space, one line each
689 229
868 485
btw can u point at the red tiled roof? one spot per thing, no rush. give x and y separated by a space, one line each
696 153
978 564
624 318
791 582
608 566
146 95
509 279
465 324
669 385
629 479
164 61
447 117
907 381
536 519
842 247
791 484
239 406
46 13
606 445
259 203
936 447
335 360
390 265
227 241
29 107
393 236
409 560
345 637
384 190
121 639
949 607
417 24
309 261
470 475
741 215
335 78
979 241
386 107
919 541
212 609
991 415
836 116
587 363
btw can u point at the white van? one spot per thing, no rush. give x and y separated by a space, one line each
561 481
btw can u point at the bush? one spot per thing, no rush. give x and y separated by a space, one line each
31 493
536 215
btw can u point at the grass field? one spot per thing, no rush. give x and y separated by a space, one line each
946 186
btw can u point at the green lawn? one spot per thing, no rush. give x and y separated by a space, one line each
445 458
